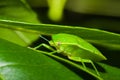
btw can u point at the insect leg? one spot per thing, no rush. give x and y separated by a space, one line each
44 45
94 68
89 61
83 64
42 51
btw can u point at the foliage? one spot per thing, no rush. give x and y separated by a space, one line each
20 27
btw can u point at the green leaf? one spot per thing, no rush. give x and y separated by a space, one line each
93 35
20 63
19 11
110 72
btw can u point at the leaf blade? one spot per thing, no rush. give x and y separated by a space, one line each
20 63
92 35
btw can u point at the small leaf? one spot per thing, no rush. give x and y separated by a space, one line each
110 73
16 10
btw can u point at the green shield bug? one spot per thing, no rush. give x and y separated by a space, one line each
75 48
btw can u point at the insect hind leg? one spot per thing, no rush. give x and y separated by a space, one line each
89 61
95 68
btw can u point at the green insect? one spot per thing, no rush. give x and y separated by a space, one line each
75 48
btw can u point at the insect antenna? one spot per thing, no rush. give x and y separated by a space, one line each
40 40
48 40
44 38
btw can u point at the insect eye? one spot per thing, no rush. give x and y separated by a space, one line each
58 43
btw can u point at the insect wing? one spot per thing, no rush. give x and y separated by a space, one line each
77 47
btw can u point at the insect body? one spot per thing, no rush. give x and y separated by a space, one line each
75 48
